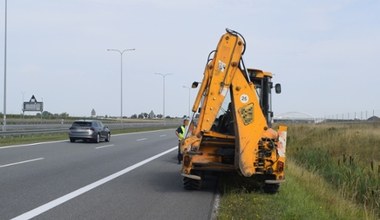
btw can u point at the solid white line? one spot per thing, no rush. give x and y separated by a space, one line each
46 207
140 132
21 162
215 207
141 139
162 135
32 144
110 145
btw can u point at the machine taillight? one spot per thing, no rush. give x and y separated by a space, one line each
186 160
280 166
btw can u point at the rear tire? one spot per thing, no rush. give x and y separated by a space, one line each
271 188
192 184
72 140
97 138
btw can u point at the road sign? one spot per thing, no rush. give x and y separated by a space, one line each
33 105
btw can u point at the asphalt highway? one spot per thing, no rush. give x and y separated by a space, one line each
134 176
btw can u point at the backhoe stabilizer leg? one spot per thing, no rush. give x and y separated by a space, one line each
274 181
194 177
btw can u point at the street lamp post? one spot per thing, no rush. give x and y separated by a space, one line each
121 52
186 87
163 92
5 70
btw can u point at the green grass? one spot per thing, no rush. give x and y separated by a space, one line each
347 156
304 195
27 139
332 172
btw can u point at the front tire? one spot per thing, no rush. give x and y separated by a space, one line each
108 138
72 140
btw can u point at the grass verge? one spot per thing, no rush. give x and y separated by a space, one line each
333 172
304 195
346 156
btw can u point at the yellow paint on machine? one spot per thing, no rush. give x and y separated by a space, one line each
238 138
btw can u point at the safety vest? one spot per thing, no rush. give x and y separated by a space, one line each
181 135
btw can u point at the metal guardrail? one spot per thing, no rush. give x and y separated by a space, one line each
59 128
29 132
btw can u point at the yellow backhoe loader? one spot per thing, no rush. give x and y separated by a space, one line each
230 130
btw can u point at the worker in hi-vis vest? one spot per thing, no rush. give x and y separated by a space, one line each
180 132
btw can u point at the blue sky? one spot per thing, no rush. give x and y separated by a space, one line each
324 53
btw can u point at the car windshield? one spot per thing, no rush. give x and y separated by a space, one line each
81 124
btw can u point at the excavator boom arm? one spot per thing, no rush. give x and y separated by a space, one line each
217 79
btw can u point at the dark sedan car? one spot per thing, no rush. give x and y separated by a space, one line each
89 130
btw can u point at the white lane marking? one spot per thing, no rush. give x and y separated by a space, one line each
141 139
21 162
100 147
32 144
46 207
163 135
143 132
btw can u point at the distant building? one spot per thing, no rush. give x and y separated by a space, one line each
93 113
374 118
295 117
